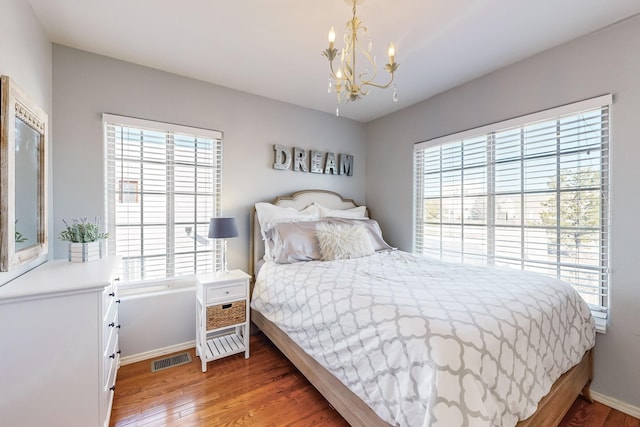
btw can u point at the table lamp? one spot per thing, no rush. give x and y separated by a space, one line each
223 228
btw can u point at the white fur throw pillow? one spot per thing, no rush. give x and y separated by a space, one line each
343 241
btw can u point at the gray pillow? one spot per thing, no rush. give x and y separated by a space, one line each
294 242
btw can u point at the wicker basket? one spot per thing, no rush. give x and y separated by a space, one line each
221 315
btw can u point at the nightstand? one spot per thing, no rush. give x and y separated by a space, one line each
222 318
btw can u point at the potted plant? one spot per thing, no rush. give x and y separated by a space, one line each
84 239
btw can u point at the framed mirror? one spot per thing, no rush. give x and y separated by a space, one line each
23 171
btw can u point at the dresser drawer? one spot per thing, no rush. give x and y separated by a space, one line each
222 293
110 352
111 335
110 323
109 297
111 366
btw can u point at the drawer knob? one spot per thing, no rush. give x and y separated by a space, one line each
113 356
117 279
117 326
112 388
118 300
112 294
112 324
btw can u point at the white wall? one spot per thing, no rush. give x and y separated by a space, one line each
86 85
603 62
25 56
152 322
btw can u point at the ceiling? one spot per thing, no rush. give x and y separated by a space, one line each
273 48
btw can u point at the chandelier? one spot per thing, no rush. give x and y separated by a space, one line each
348 84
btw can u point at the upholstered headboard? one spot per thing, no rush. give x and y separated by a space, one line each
298 200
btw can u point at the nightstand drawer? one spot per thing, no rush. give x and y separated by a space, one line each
220 293
229 314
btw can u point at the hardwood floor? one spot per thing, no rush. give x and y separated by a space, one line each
263 391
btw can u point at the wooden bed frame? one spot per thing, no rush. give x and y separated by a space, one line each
551 409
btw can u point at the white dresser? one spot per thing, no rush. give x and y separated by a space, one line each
59 345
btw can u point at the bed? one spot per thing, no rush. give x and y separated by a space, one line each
402 392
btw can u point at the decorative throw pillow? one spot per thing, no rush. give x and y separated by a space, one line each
371 226
343 241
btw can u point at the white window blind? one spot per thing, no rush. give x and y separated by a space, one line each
164 184
529 193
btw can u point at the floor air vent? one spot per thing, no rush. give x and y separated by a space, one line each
171 361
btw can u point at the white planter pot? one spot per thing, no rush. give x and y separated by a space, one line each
83 252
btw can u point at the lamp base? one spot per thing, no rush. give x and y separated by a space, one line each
224 271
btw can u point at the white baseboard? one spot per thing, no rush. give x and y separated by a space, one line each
156 353
621 406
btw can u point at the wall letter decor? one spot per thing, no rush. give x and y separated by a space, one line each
282 157
313 161
300 160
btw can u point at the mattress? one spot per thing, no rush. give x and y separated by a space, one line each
429 343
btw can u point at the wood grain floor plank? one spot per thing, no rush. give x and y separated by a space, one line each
265 390
619 419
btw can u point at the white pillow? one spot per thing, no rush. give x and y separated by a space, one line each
357 212
343 241
269 215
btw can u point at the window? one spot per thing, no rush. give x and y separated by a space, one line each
164 184
529 193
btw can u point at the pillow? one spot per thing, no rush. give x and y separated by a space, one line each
373 229
294 242
357 212
338 241
270 215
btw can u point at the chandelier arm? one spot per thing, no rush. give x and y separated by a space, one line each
380 86
333 73
371 61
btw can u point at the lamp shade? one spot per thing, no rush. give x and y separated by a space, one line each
222 228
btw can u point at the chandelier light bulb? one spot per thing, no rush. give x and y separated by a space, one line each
332 37
392 53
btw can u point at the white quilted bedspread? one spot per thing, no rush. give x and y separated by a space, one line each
426 343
